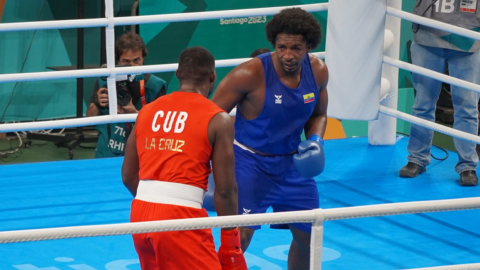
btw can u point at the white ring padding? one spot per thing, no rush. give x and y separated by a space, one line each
433 23
98 72
306 216
430 125
175 17
432 74
388 40
470 266
384 88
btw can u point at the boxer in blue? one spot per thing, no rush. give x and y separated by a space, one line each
278 95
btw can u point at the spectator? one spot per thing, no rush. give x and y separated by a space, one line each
434 49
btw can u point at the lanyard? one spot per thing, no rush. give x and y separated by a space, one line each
142 93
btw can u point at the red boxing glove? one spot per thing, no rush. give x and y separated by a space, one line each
230 251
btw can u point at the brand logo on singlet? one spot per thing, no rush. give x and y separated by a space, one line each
278 99
246 211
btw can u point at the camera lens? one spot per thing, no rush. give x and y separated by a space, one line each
123 95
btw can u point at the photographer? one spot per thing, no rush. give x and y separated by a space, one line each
132 93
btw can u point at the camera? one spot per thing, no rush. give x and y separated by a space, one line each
127 85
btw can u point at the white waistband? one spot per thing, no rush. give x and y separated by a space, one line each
242 146
170 193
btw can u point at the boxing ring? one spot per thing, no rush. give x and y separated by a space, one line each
336 211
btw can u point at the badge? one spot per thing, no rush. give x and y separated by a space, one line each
469 6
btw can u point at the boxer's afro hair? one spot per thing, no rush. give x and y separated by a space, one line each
294 21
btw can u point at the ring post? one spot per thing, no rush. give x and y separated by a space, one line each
383 130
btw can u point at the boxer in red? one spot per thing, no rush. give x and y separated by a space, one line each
166 168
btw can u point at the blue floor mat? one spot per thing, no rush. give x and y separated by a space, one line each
87 192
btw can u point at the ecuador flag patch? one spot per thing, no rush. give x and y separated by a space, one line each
307 98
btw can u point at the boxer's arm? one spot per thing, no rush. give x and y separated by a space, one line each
317 123
310 160
130 166
226 199
220 131
237 84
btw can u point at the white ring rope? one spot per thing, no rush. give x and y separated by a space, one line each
433 23
241 220
98 72
432 74
146 19
209 15
430 125
105 119
470 266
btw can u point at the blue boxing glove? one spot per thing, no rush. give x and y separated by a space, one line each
310 160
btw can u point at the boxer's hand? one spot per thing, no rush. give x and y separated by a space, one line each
310 160
230 251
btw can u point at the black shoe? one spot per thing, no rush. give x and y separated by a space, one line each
468 178
411 170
